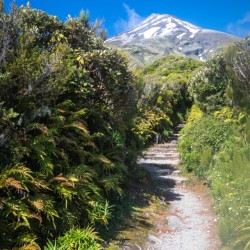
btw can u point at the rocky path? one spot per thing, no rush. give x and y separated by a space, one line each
190 224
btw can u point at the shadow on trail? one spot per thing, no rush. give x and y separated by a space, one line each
149 191
131 222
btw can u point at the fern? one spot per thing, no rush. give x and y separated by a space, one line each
81 239
51 246
112 183
100 212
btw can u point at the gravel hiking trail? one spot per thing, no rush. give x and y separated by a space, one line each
190 223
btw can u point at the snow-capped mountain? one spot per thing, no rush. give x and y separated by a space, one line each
165 34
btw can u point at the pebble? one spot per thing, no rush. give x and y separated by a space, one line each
154 239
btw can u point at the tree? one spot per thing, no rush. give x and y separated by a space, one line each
209 83
240 63
238 58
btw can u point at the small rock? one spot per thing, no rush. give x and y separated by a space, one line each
154 239
138 246
174 222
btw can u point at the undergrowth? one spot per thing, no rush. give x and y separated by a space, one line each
219 151
133 218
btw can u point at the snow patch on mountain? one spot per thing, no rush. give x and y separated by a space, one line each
150 32
181 35
165 34
157 26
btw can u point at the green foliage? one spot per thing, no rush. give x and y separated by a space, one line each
81 239
195 114
209 84
72 121
164 95
229 180
200 141
217 148
237 56
68 105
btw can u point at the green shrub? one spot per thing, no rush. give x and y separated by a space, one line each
217 148
201 140
229 179
209 84
80 239
67 108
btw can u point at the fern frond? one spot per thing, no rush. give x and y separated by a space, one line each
38 204
46 204
79 114
83 172
60 178
19 210
64 181
65 189
1 204
27 240
104 160
36 216
79 126
18 170
80 239
11 182
112 183
40 184
38 126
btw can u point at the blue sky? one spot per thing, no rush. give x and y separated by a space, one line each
231 16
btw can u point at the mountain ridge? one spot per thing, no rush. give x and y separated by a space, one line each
160 35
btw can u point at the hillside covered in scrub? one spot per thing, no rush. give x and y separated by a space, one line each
74 118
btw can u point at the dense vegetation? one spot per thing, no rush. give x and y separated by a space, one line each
165 92
215 143
73 119
67 109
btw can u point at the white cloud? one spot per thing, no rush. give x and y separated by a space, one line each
246 19
133 19
240 27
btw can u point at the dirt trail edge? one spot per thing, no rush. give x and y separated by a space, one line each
190 224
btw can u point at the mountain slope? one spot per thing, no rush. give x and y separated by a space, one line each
164 34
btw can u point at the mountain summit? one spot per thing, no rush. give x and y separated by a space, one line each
165 34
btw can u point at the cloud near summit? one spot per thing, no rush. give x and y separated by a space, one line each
241 27
133 19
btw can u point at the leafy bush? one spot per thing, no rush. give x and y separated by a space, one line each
67 109
229 180
164 95
201 140
209 84
217 148
237 57
81 239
